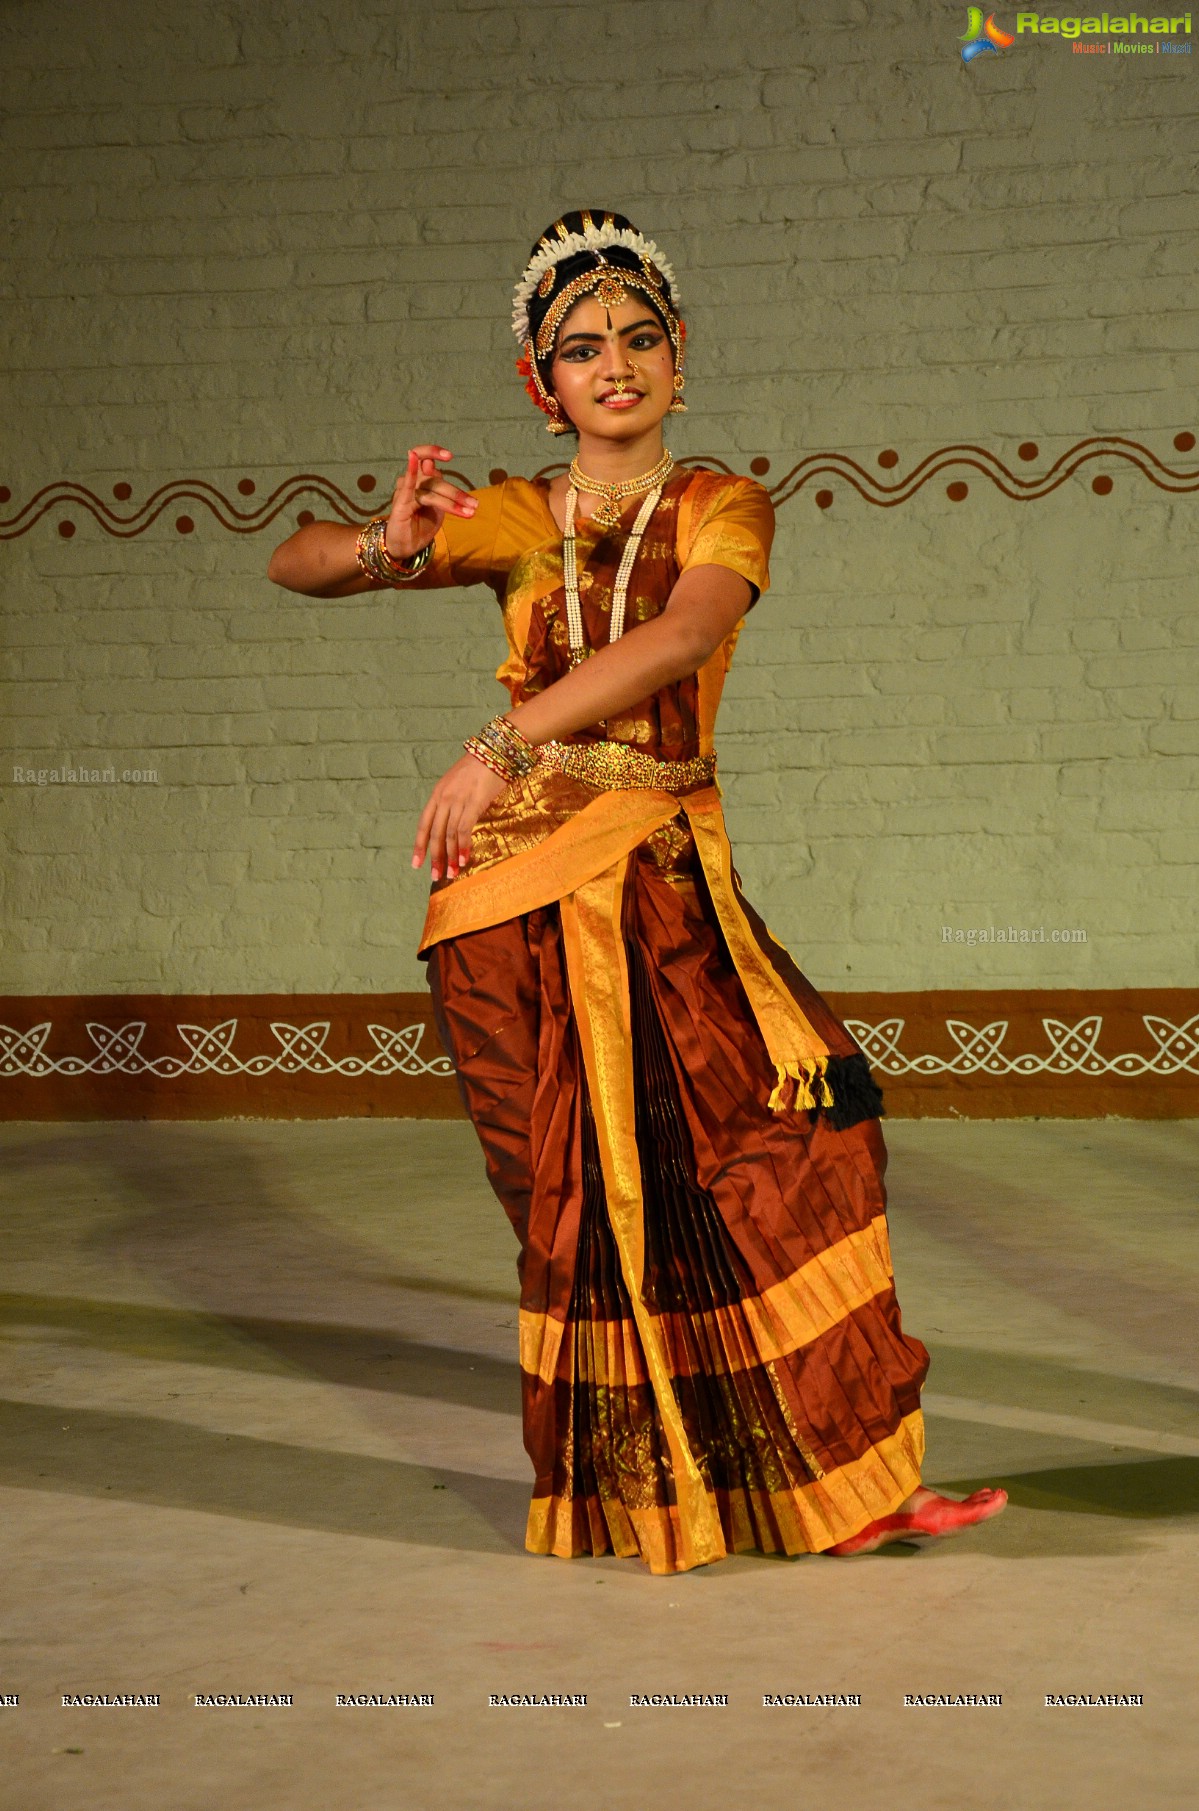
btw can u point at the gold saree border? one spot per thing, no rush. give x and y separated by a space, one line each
540 1342
597 970
780 1321
541 1355
821 1293
600 834
807 1519
848 1499
648 1534
799 1054
604 832
710 687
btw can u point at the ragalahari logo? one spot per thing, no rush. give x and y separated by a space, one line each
982 35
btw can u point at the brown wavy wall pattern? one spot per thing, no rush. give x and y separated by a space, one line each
245 513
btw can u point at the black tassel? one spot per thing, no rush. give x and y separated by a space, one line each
856 1094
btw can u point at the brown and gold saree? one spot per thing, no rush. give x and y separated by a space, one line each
685 1138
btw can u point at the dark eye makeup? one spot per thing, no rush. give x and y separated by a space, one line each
640 342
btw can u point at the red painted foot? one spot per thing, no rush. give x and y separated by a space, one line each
933 1520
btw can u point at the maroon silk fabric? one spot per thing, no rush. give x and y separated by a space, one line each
737 1198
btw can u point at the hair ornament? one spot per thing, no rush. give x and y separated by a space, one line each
593 238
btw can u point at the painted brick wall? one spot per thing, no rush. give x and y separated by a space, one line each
258 240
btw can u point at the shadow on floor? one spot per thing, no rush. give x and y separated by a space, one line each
368 1359
1050 1251
355 1357
1131 1488
140 1459
1026 1380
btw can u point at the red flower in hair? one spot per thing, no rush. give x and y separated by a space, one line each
524 367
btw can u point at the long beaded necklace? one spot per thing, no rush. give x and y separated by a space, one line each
570 572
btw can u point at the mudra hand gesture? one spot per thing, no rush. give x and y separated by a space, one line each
421 498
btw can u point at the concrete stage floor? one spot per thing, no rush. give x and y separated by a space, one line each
261 1435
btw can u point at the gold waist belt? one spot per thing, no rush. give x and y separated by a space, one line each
616 767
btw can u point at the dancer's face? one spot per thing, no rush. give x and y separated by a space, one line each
613 368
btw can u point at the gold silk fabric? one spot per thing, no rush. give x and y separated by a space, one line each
514 545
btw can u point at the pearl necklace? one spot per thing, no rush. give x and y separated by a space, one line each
570 571
613 496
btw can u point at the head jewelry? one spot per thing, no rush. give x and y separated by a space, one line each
588 252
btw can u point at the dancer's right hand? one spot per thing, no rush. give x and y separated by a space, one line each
420 499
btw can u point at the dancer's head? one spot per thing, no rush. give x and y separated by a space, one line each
596 314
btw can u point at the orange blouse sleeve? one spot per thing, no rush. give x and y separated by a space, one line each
511 518
464 552
727 521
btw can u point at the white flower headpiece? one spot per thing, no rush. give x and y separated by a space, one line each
591 239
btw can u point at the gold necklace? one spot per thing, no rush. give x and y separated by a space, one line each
613 496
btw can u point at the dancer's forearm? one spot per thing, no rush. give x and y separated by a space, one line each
320 560
705 605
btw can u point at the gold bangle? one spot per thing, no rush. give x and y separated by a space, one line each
489 758
375 557
505 749
510 745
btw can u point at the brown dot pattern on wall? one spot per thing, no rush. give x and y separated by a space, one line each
759 466
66 530
1028 449
305 517
122 491
496 475
1101 485
957 492
246 486
888 458
1114 449
184 524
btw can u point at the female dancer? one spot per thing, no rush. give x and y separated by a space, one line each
684 1136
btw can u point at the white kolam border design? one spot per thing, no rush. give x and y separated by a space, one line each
210 1052
1073 1049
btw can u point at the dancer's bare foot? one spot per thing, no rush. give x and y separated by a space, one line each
924 1516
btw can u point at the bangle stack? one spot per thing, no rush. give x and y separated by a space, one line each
500 746
374 556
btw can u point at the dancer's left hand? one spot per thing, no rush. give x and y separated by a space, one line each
456 804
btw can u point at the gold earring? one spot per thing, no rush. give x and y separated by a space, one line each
678 406
555 424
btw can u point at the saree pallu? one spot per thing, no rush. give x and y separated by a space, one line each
686 1141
